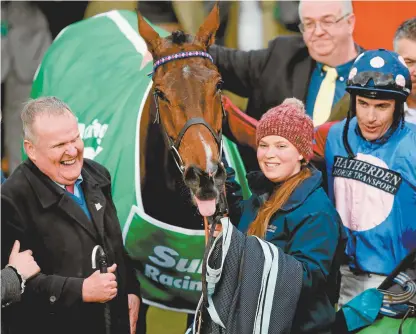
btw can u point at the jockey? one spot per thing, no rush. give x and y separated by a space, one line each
371 171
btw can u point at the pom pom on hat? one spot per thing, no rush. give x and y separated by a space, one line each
288 120
295 103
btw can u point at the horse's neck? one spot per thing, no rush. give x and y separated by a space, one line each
158 161
153 151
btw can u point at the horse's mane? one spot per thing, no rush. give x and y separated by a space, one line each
179 37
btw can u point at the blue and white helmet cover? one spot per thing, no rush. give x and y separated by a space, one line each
380 74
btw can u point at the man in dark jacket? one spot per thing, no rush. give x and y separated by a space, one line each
312 67
60 206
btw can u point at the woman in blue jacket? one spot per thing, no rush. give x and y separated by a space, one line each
290 209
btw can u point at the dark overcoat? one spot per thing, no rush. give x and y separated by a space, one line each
48 221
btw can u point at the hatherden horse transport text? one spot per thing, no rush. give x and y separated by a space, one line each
379 177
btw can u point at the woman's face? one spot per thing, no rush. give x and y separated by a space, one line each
278 158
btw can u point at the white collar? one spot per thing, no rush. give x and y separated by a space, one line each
78 180
409 114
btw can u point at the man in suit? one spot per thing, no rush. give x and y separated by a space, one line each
405 45
312 67
59 205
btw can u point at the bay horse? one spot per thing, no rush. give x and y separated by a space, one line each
181 172
186 100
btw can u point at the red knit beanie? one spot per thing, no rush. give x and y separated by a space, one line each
288 120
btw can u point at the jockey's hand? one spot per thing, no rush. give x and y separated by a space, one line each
100 288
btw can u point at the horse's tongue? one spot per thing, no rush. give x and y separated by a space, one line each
206 208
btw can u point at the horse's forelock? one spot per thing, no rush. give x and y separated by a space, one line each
179 37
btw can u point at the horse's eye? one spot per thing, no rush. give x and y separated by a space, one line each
161 95
219 84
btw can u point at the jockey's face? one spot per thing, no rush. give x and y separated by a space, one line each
57 148
278 158
374 117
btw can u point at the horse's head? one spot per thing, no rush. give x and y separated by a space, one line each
187 95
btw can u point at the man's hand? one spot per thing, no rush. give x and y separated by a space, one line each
23 261
134 305
100 288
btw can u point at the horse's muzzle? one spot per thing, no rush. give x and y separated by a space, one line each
205 185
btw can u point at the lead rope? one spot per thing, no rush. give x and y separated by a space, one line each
209 240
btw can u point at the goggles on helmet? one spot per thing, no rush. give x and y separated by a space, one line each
379 79
383 85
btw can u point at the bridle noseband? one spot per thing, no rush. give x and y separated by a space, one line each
174 144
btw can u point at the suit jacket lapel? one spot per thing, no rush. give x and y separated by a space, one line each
49 194
303 65
301 77
73 210
95 200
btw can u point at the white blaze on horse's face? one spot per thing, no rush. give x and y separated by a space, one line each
186 71
208 153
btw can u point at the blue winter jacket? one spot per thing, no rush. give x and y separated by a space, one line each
309 228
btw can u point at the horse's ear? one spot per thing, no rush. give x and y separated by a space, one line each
206 32
150 36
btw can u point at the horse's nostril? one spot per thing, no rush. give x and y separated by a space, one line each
220 174
192 177
213 170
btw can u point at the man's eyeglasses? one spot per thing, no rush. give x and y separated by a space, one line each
326 24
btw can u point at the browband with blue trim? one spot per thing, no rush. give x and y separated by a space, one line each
179 55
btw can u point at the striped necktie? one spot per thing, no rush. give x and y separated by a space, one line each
325 97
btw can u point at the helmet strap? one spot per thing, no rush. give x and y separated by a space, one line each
351 114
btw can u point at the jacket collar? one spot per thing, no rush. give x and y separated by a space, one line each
344 69
48 192
301 67
262 187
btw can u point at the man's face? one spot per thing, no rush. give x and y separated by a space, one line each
323 35
374 116
407 49
57 148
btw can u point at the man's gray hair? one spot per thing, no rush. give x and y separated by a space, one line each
406 30
49 105
346 7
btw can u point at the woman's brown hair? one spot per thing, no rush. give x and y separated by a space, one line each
279 197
